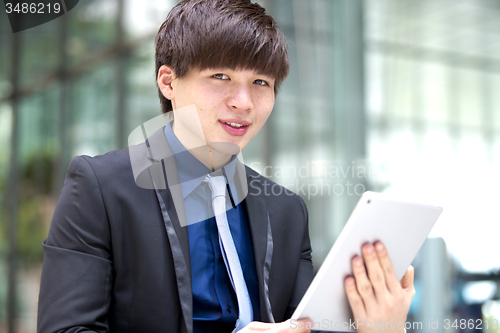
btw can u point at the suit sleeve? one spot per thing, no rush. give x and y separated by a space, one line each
305 273
75 288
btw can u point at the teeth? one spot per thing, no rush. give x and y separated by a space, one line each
235 124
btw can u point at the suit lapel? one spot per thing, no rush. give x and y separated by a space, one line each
181 232
169 198
260 228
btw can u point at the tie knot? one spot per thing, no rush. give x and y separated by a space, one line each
217 185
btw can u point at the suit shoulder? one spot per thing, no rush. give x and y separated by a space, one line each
115 161
113 166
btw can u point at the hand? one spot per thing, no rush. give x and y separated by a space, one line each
378 298
297 326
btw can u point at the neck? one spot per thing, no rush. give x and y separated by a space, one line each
213 159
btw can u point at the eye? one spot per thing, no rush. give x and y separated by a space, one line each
221 76
261 82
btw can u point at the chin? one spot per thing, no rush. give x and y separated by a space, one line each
226 148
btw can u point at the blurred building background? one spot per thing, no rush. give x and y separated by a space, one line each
398 96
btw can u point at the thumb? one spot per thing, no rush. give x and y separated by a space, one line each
407 280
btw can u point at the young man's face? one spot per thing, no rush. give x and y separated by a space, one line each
232 105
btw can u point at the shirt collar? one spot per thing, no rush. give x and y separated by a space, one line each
190 170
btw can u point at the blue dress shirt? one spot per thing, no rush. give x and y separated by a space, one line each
215 307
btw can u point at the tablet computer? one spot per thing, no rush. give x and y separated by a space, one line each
402 227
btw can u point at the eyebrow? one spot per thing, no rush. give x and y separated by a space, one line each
222 69
265 74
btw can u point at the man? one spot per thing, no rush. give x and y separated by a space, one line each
132 247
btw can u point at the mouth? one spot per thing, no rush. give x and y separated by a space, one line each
235 127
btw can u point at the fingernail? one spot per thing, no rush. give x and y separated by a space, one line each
379 247
349 282
369 248
358 262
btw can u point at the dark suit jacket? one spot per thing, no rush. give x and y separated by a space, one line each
116 261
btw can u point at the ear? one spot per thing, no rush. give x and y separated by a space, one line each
165 77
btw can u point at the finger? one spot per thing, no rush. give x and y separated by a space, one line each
408 278
386 263
257 326
363 285
355 300
298 326
375 272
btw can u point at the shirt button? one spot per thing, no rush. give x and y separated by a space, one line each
228 309
220 258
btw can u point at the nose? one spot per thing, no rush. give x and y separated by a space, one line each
241 98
